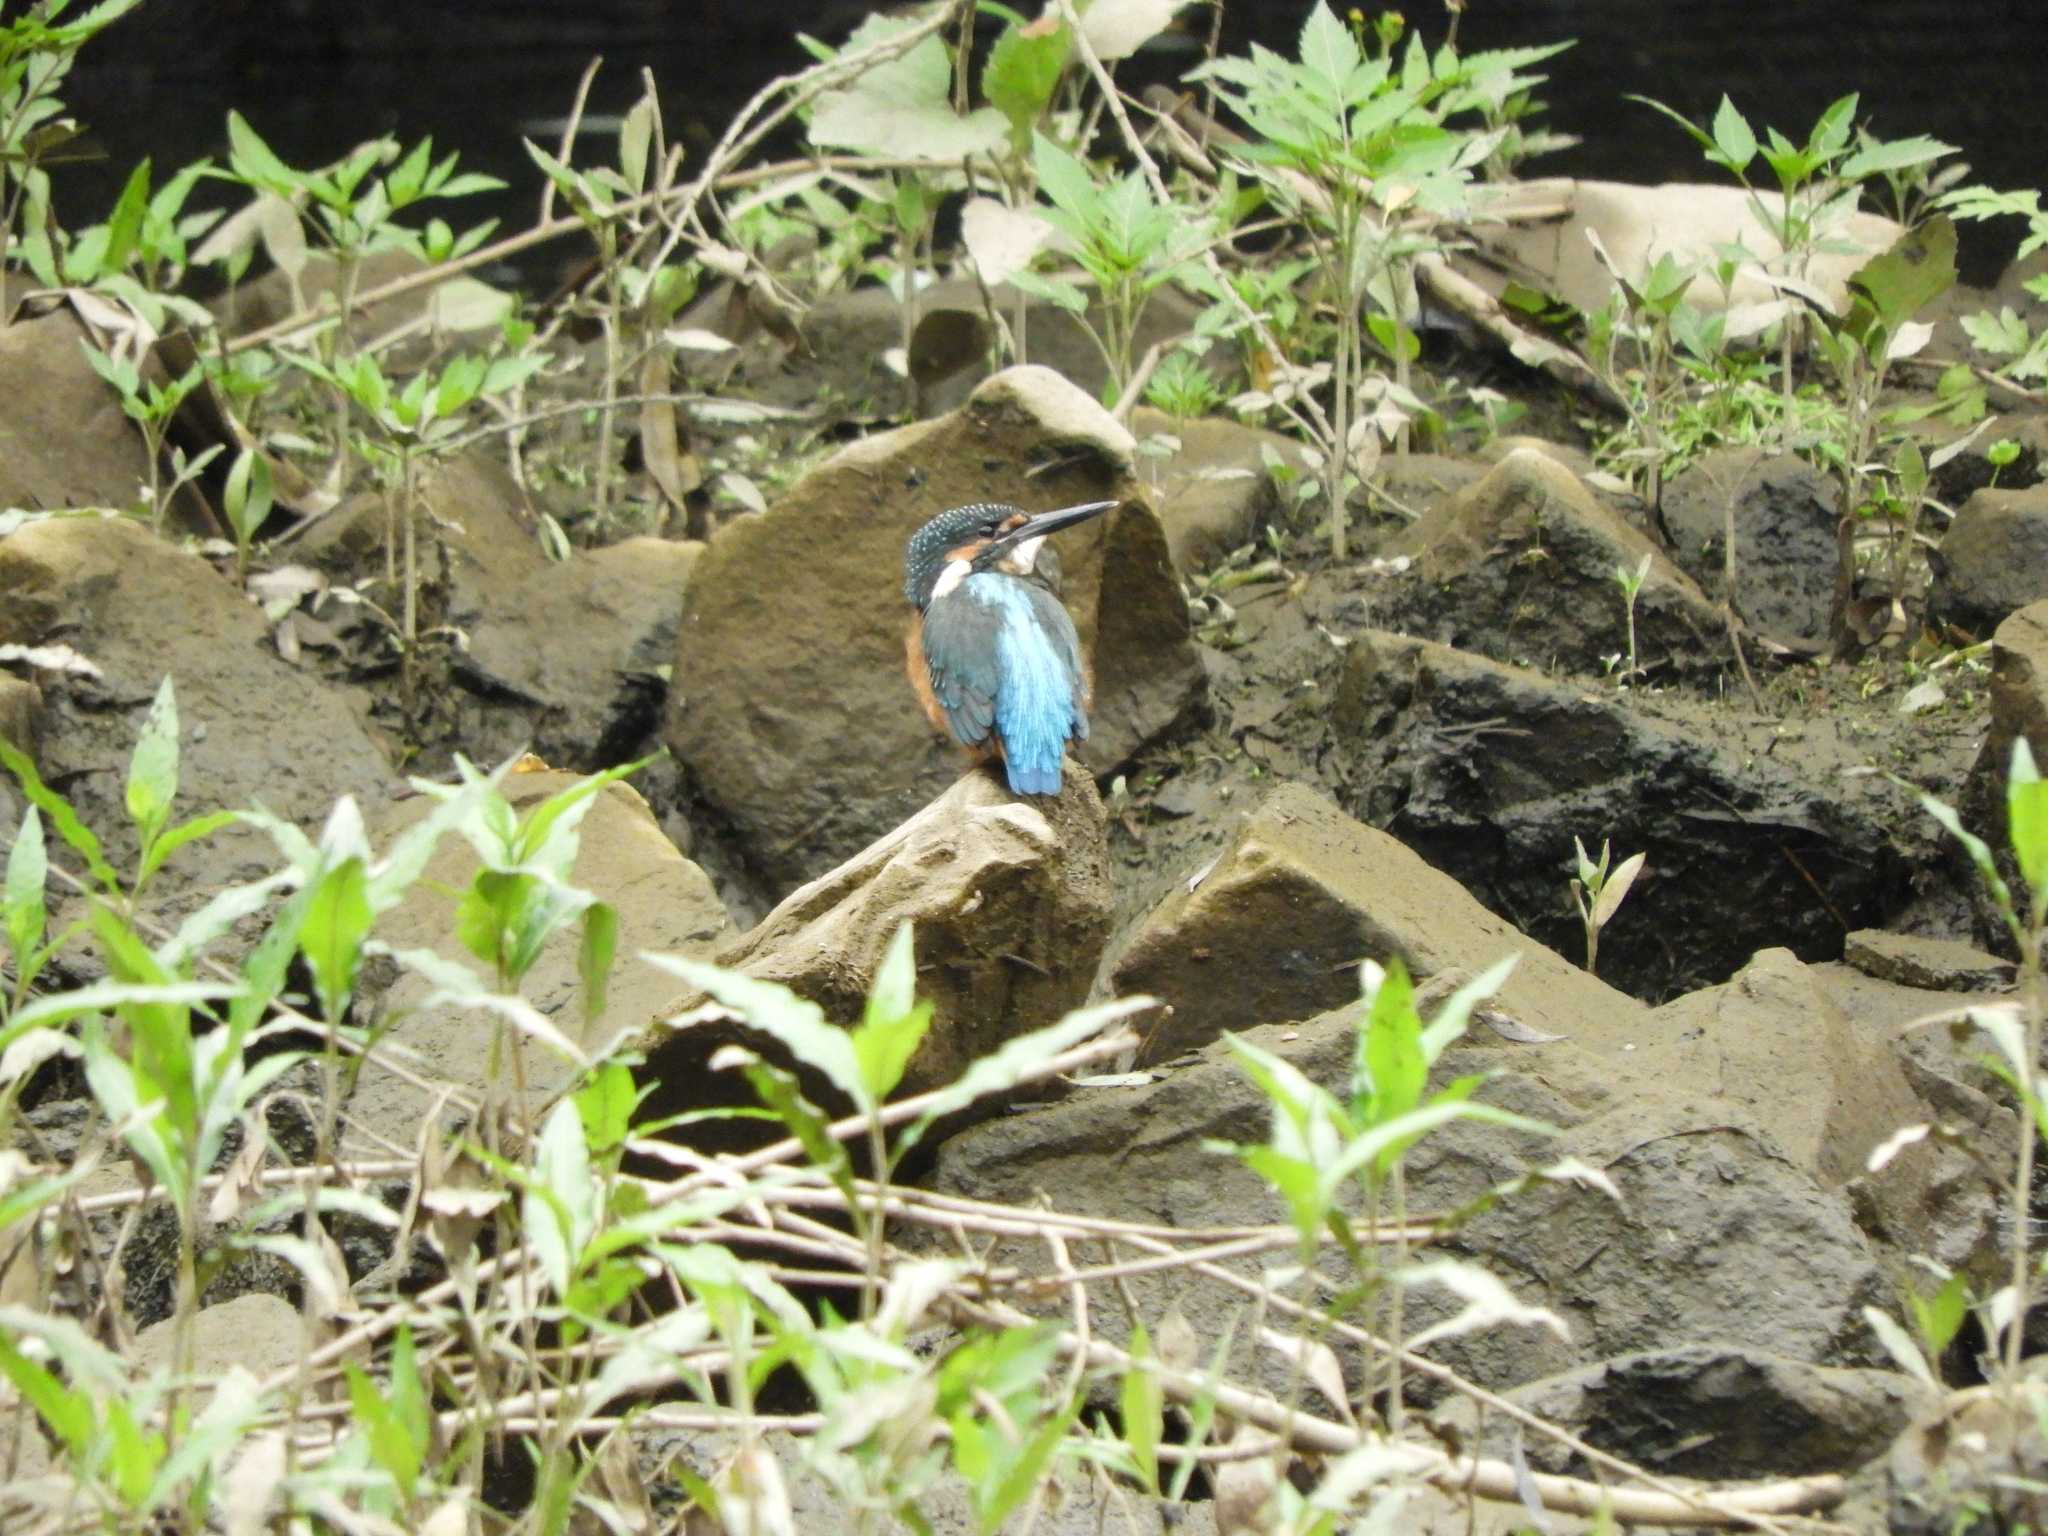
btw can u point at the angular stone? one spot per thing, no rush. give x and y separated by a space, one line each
1275 927
1704 1411
1214 490
1773 1042
1785 513
664 903
789 709
1489 772
1010 899
584 641
254 730
1993 560
64 441
1714 1211
1524 562
260 1333
1920 960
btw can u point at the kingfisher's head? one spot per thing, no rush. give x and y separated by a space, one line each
987 536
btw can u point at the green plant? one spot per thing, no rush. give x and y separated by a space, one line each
151 406
642 296
247 501
36 53
406 427
1820 182
2016 1031
906 109
2023 352
1598 894
354 212
1633 341
1860 349
1357 146
1323 1147
1127 242
1182 387
1631 584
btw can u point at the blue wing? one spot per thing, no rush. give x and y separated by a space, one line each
1004 658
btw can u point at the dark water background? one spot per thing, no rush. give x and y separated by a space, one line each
317 76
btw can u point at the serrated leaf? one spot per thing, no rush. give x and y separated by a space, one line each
1024 69
1733 137
1328 48
903 108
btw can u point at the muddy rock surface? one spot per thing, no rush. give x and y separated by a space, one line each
1296 765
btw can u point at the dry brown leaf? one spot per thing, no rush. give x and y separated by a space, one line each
675 469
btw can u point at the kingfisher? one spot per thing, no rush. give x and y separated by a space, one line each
992 654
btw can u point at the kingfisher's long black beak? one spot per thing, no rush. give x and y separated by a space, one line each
1043 524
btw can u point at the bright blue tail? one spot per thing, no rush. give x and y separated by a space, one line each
1035 778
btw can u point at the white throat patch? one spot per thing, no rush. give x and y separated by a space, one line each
1023 556
956 571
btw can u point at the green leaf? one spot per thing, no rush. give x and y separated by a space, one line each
2026 805
68 1413
77 836
391 1447
1143 1407
1877 159
636 138
595 955
249 494
606 1104
1451 1019
1832 128
337 920
153 771
1010 1062
1939 1317
561 1206
1392 1065
23 905
895 1022
124 226
177 837
1734 140
2004 334
800 1025
779 1091
254 162
1024 70
1894 286
1064 179
1328 48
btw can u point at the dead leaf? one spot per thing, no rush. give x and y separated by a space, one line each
464 304
250 1493
1242 1488
49 658
673 467
1513 1029
1318 1364
1001 240
1116 29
